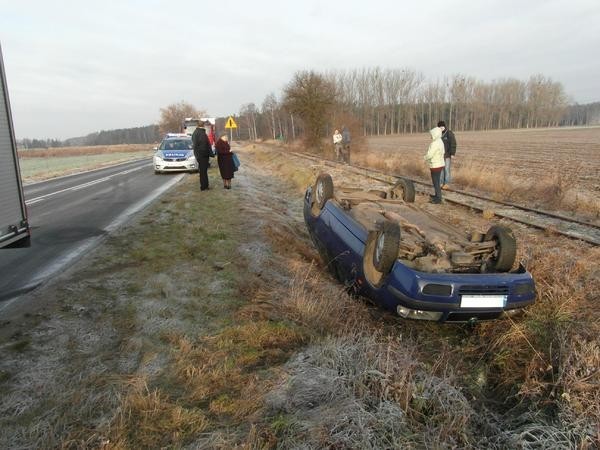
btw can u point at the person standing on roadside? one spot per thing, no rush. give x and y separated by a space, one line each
337 144
210 132
449 141
202 152
346 144
225 160
435 160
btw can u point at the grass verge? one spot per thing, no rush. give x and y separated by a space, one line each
42 164
210 323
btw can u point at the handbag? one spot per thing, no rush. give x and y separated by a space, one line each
236 162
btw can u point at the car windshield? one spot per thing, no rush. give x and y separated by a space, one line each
176 144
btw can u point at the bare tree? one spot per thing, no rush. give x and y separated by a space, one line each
173 115
311 97
386 101
249 112
269 107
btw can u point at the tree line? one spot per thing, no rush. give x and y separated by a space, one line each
139 135
373 101
376 101
579 115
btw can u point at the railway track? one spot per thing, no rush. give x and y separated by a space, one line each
544 220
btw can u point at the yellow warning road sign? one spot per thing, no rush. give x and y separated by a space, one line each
230 123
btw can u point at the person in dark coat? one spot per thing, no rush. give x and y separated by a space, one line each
449 141
225 160
345 144
202 151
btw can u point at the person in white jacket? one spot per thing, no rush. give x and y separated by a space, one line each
435 160
337 144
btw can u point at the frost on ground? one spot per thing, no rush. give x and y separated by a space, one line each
232 334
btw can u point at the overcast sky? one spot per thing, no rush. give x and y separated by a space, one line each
75 67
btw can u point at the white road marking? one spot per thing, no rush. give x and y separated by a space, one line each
67 259
31 201
122 163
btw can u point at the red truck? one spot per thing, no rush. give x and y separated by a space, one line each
14 226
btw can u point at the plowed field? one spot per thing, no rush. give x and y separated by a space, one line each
553 169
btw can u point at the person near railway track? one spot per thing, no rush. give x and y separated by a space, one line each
337 144
225 161
346 144
449 141
435 160
202 152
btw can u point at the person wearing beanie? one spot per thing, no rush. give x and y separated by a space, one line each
449 141
225 160
435 160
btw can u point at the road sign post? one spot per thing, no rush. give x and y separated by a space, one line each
231 125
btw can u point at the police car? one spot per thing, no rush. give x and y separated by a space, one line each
175 154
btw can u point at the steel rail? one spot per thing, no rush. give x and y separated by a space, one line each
569 233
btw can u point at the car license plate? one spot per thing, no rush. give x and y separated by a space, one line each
483 301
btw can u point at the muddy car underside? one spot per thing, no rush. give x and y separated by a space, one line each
424 242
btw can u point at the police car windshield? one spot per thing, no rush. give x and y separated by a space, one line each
176 144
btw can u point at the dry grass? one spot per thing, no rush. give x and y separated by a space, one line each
543 363
530 380
240 339
362 390
549 168
325 308
548 360
554 190
391 164
150 419
116 373
219 372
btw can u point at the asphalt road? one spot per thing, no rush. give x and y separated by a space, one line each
70 215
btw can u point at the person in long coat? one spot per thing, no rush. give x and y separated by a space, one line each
225 160
435 160
202 151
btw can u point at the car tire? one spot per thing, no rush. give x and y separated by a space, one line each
381 252
404 189
321 192
505 252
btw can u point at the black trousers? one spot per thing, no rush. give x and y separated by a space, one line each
203 172
436 178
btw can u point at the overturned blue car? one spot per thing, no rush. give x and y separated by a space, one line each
384 247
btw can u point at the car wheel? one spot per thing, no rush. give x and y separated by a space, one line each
404 189
505 252
322 191
381 251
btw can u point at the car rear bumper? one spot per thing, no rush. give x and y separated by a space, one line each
452 311
455 297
